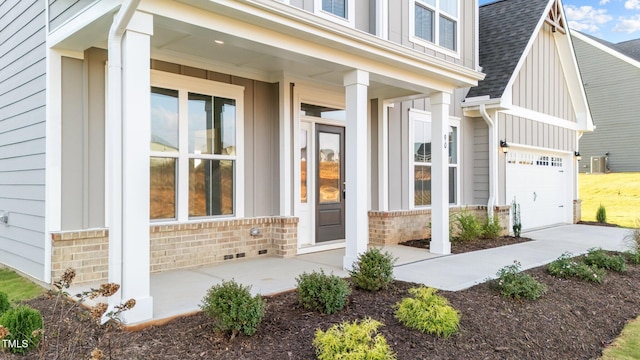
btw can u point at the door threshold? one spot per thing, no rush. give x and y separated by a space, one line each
329 245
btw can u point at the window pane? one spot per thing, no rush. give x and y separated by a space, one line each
453 185
450 7
303 166
164 120
163 188
336 7
422 185
430 2
210 187
424 23
447 33
453 145
212 125
422 141
329 168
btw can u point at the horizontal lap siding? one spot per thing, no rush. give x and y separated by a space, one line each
62 10
613 89
22 134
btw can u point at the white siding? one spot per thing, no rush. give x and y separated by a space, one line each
22 134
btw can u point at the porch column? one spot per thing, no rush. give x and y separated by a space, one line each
357 222
440 173
129 130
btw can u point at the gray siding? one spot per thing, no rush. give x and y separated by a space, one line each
540 86
62 10
364 14
373 154
400 32
480 161
303 4
22 134
613 90
261 186
529 132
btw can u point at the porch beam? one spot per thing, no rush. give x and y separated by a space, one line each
440 173
356 83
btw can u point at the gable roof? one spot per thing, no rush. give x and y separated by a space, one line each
506 27
630 48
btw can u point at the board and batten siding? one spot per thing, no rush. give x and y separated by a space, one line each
22 134
62 10
613 90
523 131
540 85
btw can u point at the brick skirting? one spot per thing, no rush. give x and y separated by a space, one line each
178 246
394 227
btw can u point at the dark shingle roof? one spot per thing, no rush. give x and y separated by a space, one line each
630 48
506 26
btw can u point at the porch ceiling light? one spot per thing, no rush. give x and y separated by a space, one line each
577 155
219 42
504 146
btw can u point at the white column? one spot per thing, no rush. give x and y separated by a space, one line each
286 176
130 132
440 174
357 220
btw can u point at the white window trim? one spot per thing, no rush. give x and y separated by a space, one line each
350 20
207 87
420 115
435 45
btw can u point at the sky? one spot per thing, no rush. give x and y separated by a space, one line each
611 20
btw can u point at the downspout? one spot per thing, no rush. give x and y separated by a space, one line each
116 33
493 160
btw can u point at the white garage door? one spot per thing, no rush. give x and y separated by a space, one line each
541 184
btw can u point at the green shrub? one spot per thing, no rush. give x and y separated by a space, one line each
25 329
428 312
352 341
233 308
324 293
469 227
566 266
599 258
373 270
632 257
632 239
601 214
517 225
492 229
4 302
513 283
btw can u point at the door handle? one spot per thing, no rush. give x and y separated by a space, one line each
344 190
535 196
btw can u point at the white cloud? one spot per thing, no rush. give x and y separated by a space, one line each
628 24
587 18
604 2
632 4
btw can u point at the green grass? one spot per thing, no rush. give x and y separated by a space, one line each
627 345
619 193
17 287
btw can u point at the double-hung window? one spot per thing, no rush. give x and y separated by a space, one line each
436 22
420 188
337 10
196 129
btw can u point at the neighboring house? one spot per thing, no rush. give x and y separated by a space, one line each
611 75
145 136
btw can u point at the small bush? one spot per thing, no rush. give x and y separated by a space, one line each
599 258
428 312
513 283
4 303
492 229
601 214
469 226
373 270
517 225
632 257
233 308
632 239
324 293
25 328
566 267
352 341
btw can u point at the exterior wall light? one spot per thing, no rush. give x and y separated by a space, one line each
504 146
577 155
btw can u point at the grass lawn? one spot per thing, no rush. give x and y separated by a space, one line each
627 346
17 287
619 193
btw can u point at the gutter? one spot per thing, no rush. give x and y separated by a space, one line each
493 159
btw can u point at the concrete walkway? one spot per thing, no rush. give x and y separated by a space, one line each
458 272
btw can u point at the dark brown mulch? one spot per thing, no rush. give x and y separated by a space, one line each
574 320
459 247
597 223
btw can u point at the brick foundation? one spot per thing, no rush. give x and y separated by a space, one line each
577 210
178 246
394 227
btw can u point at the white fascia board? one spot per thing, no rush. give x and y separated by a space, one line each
82 19
542 118
281 26
606 49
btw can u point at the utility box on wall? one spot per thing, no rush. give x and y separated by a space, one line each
598 164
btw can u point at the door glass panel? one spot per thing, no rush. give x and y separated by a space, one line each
303 166
164 120
329 168
453 145
422 185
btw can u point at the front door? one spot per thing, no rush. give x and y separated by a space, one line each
329 184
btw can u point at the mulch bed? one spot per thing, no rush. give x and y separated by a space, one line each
459 247
574 320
